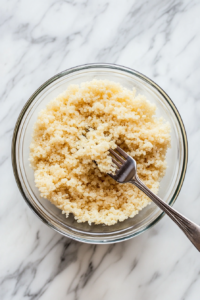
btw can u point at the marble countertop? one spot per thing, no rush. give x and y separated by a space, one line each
41 38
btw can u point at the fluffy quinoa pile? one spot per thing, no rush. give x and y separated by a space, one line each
76 130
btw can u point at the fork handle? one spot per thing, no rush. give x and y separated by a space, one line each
191 230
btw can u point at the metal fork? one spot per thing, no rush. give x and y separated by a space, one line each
127 172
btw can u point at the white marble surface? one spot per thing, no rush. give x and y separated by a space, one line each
40 38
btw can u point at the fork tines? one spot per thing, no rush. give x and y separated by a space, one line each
120 161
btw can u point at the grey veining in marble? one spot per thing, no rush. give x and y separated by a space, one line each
40 38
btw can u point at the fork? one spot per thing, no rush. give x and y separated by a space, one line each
127 173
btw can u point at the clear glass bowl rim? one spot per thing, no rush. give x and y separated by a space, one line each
105 66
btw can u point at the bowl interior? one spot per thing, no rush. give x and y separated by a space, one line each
168 185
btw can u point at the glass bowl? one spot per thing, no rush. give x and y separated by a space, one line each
170 185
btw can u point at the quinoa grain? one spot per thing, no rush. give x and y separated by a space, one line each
76 129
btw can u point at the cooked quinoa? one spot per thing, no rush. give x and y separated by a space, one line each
76 130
